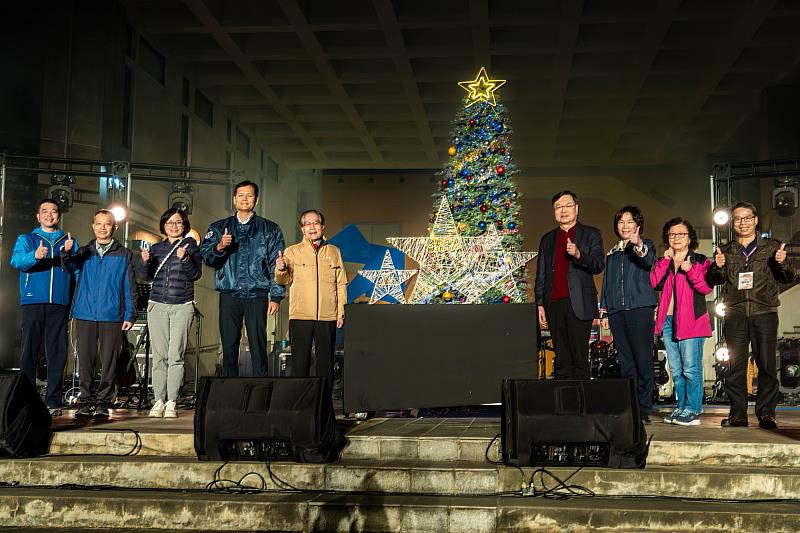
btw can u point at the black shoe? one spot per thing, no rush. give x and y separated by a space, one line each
646 420
768 422
101 412
731 422
85 410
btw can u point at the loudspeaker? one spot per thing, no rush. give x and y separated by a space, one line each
24 419
266 419
572 423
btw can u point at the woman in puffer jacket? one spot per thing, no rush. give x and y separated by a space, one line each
682 319
627 301
173 265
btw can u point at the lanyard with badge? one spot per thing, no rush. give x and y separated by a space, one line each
746 278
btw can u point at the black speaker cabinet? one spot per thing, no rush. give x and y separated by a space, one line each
24 419
572 423
266 419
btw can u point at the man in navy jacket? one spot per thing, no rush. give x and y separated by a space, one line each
569 257
104 307
45 291
242 250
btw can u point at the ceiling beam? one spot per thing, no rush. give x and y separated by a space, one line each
202 12
309 39
408 80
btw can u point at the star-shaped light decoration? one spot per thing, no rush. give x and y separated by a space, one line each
481 88
470 265
387 280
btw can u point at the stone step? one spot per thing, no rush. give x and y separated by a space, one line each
402 477
673 446
116 510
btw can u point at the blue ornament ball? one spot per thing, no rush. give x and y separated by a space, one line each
512 225
451 182
482 225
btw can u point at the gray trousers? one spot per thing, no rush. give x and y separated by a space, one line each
168 325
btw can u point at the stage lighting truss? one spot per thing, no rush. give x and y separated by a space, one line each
62 191
789 361
181 197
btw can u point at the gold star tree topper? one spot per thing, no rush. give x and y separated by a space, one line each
481 88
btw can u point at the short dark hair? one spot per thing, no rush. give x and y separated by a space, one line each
558 195
104 212
693 242
49 201
636 215
168 214
745 205
245 183
307 211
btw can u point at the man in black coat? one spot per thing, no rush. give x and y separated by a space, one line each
569 257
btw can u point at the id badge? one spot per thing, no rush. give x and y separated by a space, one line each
745 280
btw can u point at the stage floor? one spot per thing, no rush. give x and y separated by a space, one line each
709 431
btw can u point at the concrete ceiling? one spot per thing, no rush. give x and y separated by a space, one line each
372 84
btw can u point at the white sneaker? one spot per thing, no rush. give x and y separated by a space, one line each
169 410
158 410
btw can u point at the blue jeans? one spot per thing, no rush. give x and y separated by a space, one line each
685 360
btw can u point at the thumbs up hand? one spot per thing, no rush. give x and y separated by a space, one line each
572 249
41 250
69 243
636 239
719 258
280 263
224 241
780 255
180 253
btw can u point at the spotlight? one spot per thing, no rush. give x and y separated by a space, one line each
61 191
119 212
722 355
789 374
721 216
719 309
785 200
181 197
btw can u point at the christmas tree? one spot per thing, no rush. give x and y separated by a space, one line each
477 183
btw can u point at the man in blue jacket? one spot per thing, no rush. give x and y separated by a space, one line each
242 249
104 307
45 291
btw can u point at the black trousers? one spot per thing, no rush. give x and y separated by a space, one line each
322 333
633 338
95 340
761 333
45 324
570 341
253 311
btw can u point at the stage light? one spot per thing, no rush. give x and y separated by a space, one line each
61 191
119 212
719 309
722 354
721 216
181 197
789 373
785 196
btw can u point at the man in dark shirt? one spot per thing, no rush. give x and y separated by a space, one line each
569 257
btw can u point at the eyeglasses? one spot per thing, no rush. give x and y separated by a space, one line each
562 207
317 223
172 224
748 218
677 235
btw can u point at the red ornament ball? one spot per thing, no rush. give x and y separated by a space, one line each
484 208
506 299
499 224
472 122
507 205
468 177
444 183
501 169
502 150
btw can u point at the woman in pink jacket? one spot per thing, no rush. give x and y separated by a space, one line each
682 318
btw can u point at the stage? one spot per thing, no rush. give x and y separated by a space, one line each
402 474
